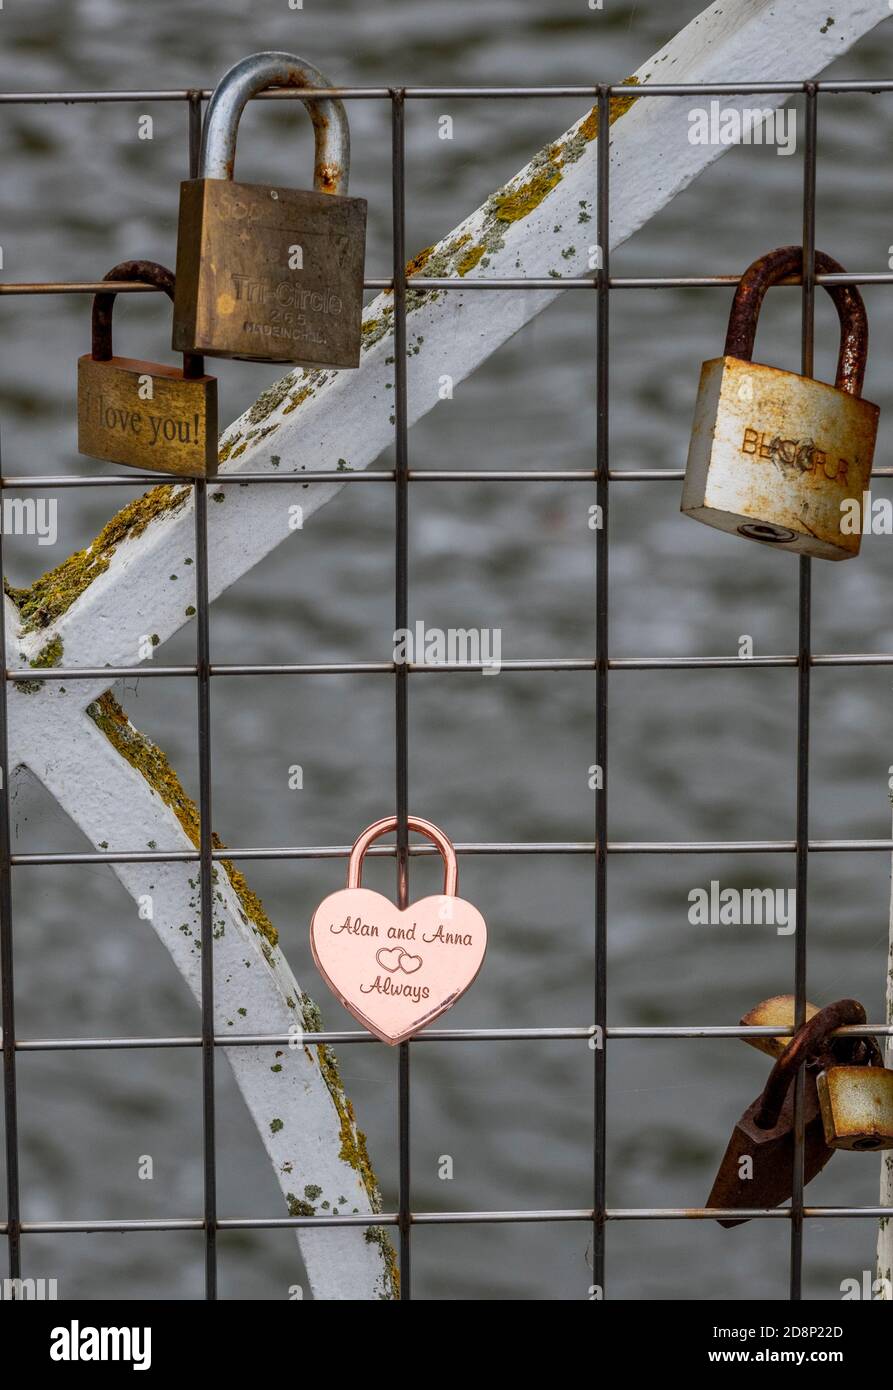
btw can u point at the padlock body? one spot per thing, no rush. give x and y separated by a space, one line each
777 1012
773 456
173 432
269 274
767 1180
857 1107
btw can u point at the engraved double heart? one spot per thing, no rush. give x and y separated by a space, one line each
395 958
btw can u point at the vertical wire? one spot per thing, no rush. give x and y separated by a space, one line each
401 620
7 990
206 863
803 692
601 694
194 113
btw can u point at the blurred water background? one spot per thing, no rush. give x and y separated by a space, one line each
700 755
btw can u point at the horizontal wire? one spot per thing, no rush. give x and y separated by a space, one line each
475 282
443 1218
29 674
450 1035
369 475
187 856
77 287
663 89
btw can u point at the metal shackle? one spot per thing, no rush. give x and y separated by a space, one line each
422 827
257 72
148 273
805 1043
781 264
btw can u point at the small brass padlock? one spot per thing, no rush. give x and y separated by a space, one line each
857 1106
773 455
757 1168
266 273
144 414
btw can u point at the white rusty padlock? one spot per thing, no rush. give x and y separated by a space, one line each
774 456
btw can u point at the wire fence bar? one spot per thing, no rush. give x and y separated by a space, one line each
444 1218
653 89
600 984
804 673
479 282
528 847
389 668
439 1035
596 1034
7 987
206 843
401 623
427 475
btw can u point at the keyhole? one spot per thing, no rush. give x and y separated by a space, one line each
762 531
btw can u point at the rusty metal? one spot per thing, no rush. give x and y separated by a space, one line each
144 414
268 273
253 75
782 264
777 1012
857 1107
765 1133
778 457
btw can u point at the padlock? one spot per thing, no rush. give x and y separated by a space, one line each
145 414
857 1105
267 273
765 1132
776 457
777 1012
397 970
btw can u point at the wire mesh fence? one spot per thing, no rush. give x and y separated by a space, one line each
594 1036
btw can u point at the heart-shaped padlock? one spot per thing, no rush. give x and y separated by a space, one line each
397 970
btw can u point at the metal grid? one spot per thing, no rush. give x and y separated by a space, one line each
600 848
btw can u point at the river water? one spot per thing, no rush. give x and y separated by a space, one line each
699 755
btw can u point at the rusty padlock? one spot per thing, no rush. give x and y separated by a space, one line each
144 414
775 456
765 1132
857 1105
267 273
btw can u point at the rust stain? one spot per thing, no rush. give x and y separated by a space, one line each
329 176
777 1012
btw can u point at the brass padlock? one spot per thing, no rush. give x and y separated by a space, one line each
144 414
857 1105
765 1133
775 456
266 273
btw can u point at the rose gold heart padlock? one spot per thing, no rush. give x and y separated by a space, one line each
396 971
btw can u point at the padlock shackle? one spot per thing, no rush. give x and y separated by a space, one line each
784 263
256 73
421 827
148 273
804 1043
